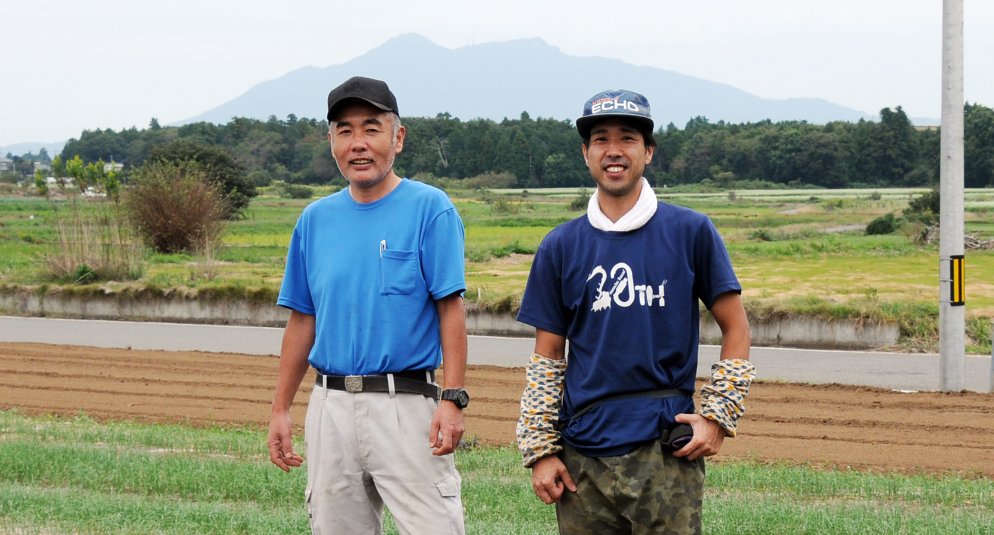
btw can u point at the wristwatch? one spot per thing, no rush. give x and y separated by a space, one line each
456 395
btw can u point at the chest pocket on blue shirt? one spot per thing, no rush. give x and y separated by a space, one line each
398 272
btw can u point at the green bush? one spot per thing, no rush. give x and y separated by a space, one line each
504 206
924 208
218 165
761 234
84 274
885 224
296 191
580 201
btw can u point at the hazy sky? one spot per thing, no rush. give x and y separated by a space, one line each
70 65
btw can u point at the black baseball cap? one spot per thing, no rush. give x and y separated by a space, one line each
374 92
619 103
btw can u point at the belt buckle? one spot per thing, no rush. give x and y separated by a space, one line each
353 383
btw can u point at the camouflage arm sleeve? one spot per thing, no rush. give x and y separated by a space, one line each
536 431
722 399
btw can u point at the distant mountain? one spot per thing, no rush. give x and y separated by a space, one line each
20 149
502 79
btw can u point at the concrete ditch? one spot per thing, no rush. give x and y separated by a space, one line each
786 332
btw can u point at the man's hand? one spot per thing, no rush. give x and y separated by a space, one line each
550 479
708 437
446 428
280 446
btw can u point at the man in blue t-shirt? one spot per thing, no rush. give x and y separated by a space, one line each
374 281
610 430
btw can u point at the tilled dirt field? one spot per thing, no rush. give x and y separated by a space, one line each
819 425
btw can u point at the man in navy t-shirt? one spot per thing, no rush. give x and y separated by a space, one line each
613 438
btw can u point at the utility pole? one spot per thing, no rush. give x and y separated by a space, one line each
990 372
952 263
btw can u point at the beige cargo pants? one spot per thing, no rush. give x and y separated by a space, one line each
367 450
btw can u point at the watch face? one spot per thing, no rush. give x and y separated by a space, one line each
458 396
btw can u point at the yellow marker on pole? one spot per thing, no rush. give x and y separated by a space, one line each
957 280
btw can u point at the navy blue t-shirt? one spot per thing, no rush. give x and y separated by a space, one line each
627 302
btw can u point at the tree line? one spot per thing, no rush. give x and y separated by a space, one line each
544 152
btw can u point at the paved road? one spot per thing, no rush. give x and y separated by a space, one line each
899 371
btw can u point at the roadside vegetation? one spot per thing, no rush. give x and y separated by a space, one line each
797 251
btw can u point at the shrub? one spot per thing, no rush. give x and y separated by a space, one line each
926 205
84 274
834 204
762 234
176 207
504 206
916 231
218 165
441 183
885 224
296 191
580 201
490 180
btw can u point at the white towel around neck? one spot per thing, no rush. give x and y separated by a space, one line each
644 209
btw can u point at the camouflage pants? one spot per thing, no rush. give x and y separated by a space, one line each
645 491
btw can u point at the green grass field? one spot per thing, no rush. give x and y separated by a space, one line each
795 251
74 475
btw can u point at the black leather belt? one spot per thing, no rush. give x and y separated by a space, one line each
411 382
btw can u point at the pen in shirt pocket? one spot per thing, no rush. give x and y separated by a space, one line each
383 247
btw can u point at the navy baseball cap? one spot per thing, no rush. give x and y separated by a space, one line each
619 103
374 92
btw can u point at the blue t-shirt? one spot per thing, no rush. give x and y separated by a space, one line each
627 302
371 273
